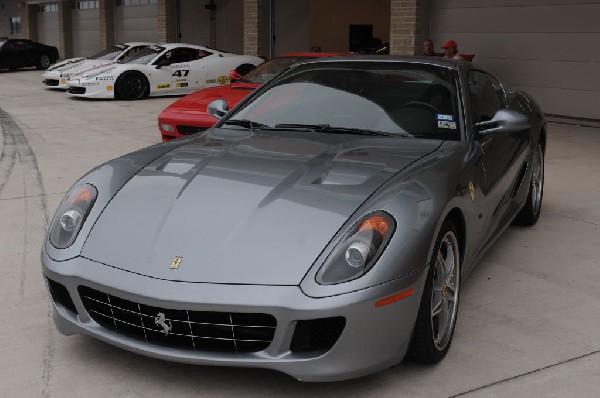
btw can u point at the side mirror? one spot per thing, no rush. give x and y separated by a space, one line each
505 120
218 108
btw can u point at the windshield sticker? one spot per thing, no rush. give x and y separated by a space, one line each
441 116
445 124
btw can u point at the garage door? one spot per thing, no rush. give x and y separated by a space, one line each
296 14
135 20
194 24
546 49
47 24
85 20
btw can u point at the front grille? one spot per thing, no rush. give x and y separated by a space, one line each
51 82
187 130
194 330
317 334
61 295
76 90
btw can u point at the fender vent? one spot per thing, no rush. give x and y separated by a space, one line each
519 180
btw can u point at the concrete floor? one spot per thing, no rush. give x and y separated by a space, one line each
528 323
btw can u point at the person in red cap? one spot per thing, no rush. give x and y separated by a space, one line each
451 50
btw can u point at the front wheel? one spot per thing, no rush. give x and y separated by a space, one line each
43 62
132 86
530 213
436 319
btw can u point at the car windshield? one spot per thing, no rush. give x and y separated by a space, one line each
143 56
388 97
2 43
266 71
110 53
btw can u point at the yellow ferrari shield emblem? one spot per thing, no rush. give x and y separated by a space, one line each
176 262
472 190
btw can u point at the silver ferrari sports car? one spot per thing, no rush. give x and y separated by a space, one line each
322 228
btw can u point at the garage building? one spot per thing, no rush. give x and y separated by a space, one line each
545 47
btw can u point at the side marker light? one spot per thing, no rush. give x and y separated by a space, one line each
395 297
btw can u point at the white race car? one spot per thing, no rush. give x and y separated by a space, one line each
164 69
57 75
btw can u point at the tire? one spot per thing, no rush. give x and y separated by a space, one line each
530 212
438 310
132 86
43 62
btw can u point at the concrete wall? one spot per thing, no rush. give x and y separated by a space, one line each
10 9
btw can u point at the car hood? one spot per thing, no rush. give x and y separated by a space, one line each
199 100
112 67
244 207
67 63
88 66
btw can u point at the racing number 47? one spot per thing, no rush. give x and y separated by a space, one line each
181 73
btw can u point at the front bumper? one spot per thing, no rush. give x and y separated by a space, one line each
56 78
91 89
373 338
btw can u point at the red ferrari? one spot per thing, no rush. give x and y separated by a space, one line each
189 115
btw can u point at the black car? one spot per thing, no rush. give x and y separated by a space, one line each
21 53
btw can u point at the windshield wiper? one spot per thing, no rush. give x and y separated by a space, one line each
249 124
325 128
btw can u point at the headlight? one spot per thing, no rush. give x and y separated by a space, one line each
358 250
70 216
167 127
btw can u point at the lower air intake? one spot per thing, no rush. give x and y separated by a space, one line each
193 330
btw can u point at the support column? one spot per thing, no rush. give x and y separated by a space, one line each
253 27
407 26
28 23
64 29
166 21
107 23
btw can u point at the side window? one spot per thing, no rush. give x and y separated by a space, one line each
486 95
188 54
132 50
166 58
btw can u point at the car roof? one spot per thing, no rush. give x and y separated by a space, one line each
137 43
177 45
312 54
437 61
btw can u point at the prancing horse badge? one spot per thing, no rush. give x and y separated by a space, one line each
176 262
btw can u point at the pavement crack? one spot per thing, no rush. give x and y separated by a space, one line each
525 374
578 219
8 156
16 147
